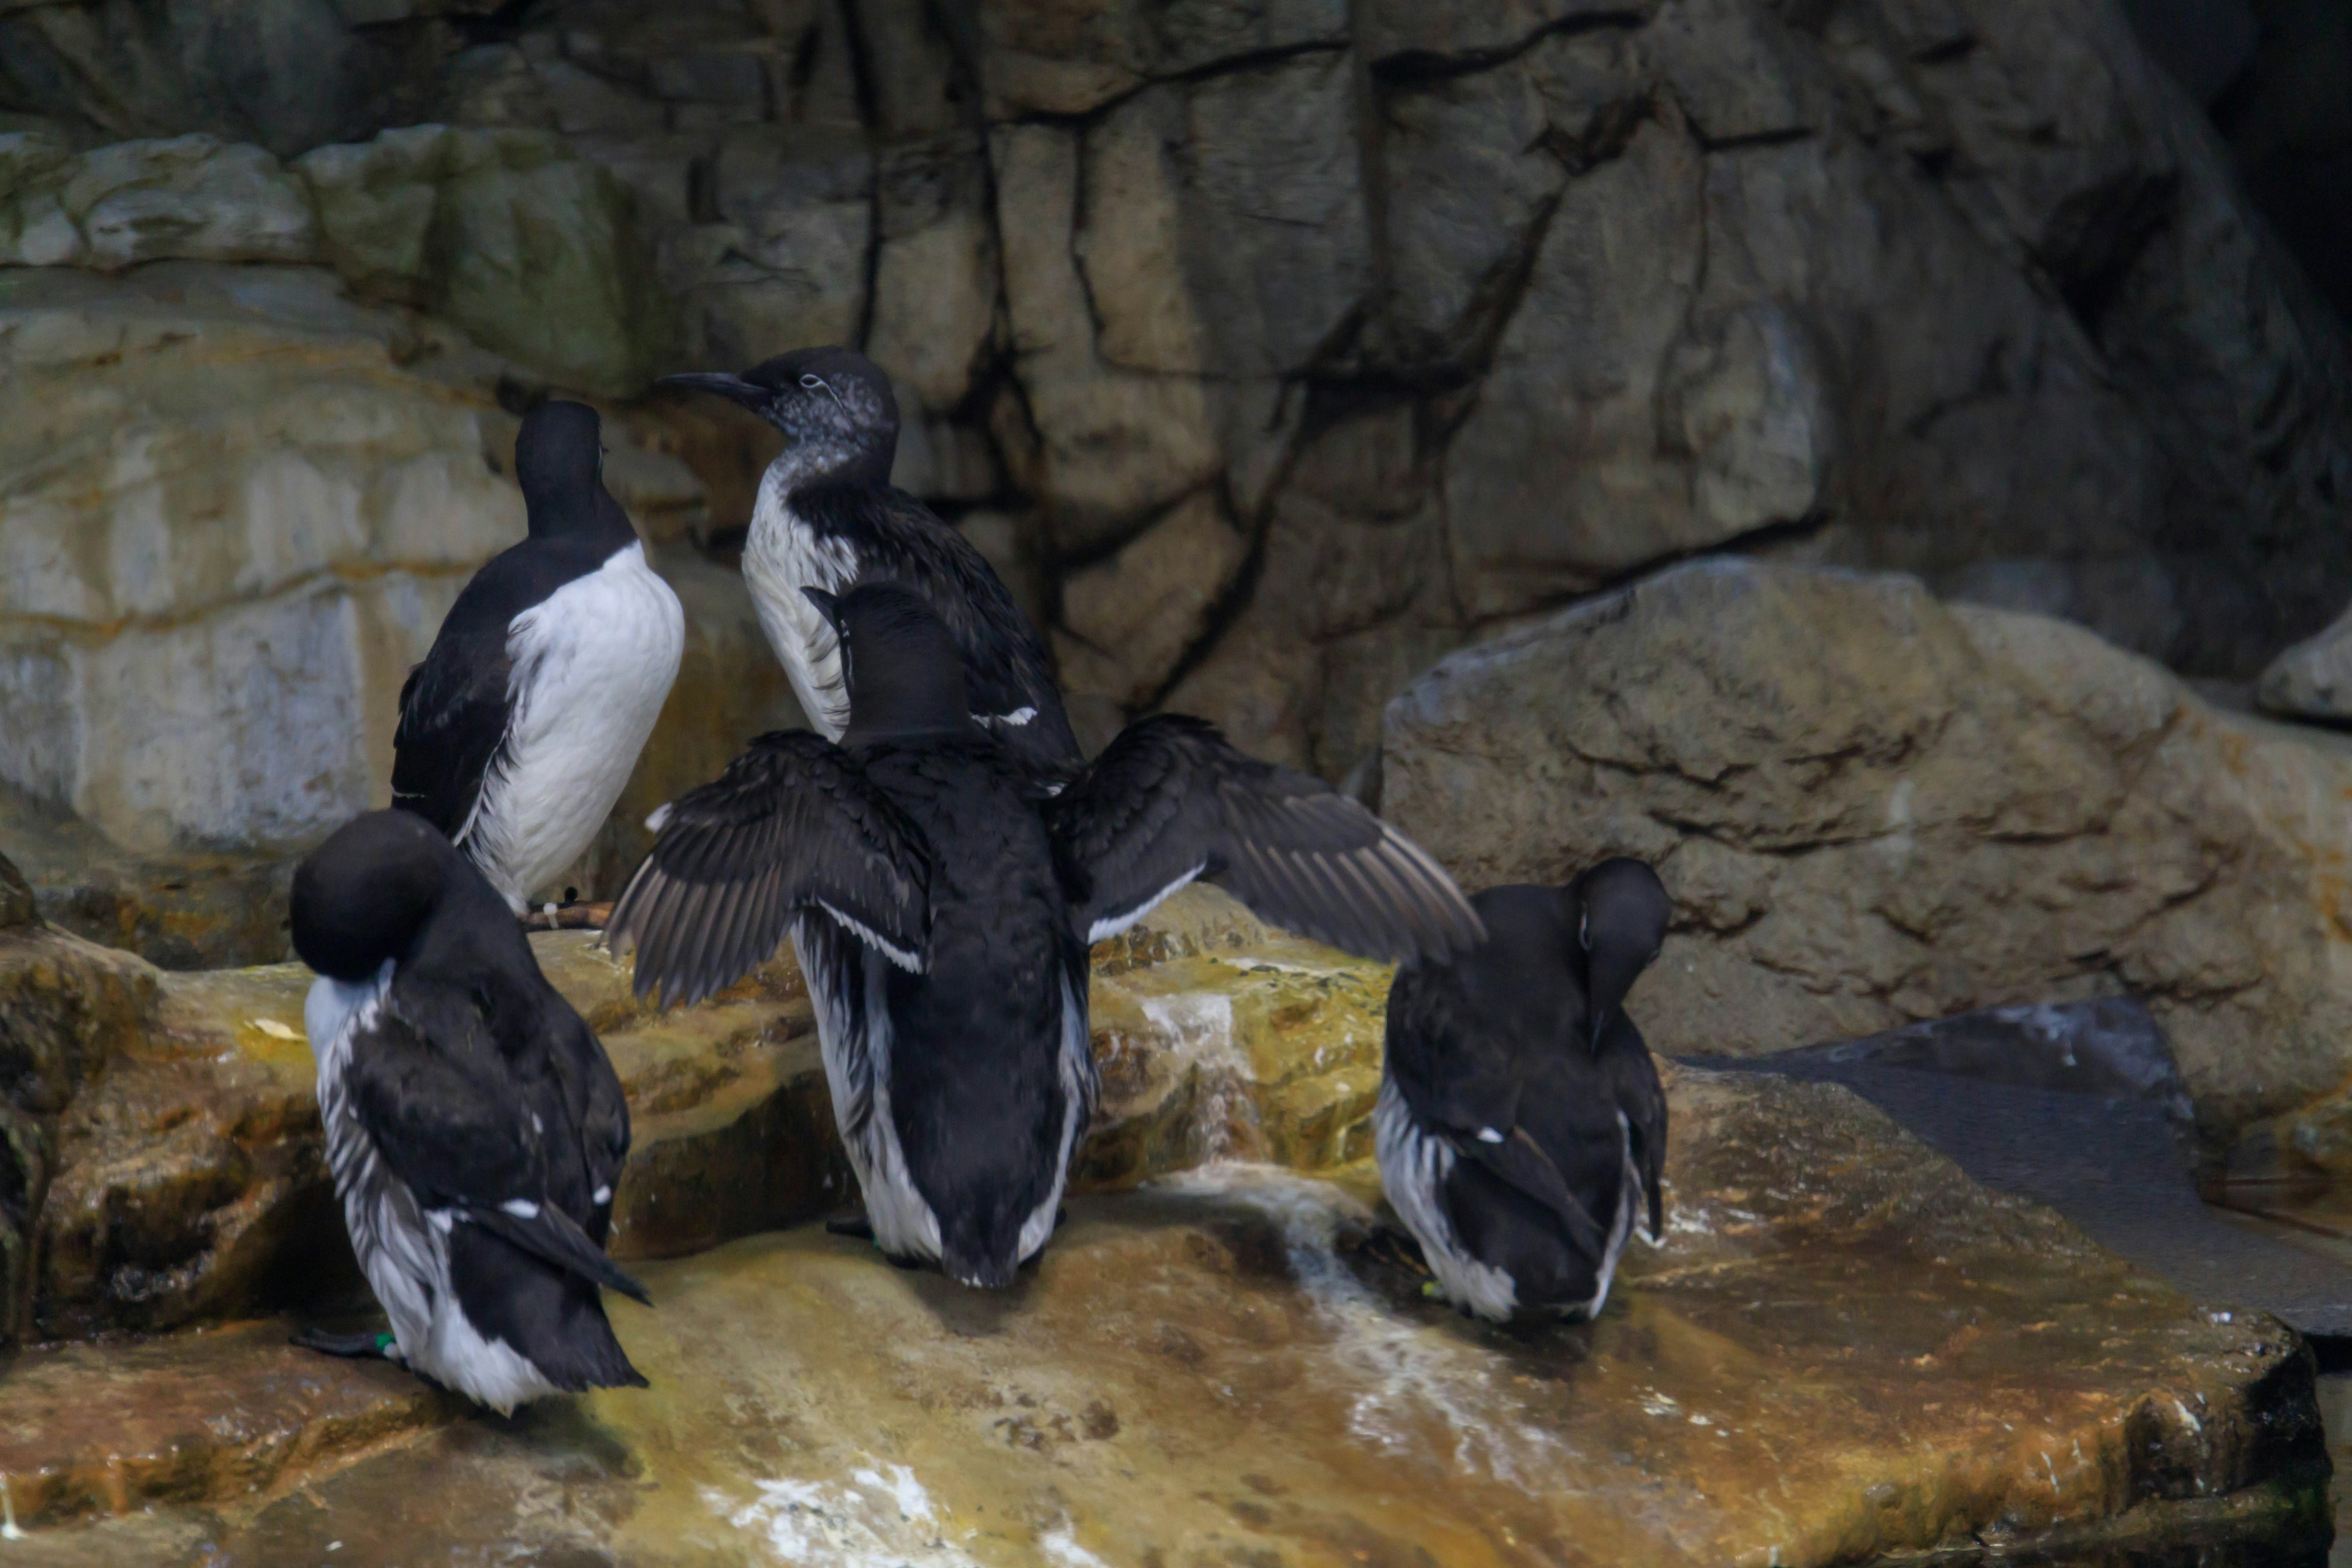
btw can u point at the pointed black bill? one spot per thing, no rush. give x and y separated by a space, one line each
751 394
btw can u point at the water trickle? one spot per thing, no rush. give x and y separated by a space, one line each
9 1531
875 1520
1413 1375
1198 1029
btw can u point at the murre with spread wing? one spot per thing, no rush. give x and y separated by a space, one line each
474 1127
942 900
1521 1127
520 728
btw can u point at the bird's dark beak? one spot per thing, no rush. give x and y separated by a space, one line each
751 394
827 605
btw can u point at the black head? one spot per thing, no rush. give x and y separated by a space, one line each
1621 910
904 672
365 894
558 462
835 402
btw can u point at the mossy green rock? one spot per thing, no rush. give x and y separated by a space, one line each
536 253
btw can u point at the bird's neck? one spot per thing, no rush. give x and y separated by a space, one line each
830 460
600 525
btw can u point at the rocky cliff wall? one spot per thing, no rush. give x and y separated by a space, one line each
1272 350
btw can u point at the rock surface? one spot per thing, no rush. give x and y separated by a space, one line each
2312 679
1844 1348
1871 809
161 1163
1443 317
235 505
180 909
230 519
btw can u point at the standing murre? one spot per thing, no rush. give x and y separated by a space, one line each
828 517
942 902
520 728
475 1129
1521 1127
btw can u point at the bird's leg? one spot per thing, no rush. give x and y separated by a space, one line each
352 1347
569 917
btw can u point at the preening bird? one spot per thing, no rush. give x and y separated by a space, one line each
1521 1127
942 902
827 517
520 728
474 1126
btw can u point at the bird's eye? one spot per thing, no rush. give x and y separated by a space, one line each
812 380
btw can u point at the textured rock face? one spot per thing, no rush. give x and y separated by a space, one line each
2312 679
1843 1349
159 1140
1301 344
230 520
533 252
1872 809
234 507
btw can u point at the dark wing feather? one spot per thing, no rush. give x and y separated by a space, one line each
1005 666
1633 1077
1462 1082
453 718
438 1102
1169 800
554 1238
791 824
454 705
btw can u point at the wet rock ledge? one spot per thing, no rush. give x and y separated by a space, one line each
1845 1349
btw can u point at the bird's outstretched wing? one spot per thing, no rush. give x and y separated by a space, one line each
1006 673
1169 800
792 824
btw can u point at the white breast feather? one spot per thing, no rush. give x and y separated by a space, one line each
593 663
783 556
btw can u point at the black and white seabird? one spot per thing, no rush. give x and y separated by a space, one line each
942 902
474 1126
828 517
1521 1127
518 731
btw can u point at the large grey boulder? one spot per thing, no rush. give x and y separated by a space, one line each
1872 808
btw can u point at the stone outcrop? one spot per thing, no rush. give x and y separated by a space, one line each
159 1141
1872 808
239 504
2313 679
178 909
232 519
17 908
1844 1348
1285 347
